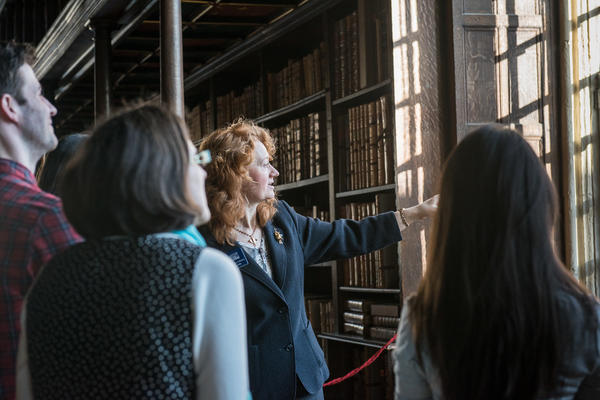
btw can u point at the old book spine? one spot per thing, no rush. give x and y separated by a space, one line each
343 56
381 160
376 332
317 141
357 305
357 318
351 165
386 310
361 148
306 150
386 322
355 60
298 150
323 71
372 118
389 135
354 328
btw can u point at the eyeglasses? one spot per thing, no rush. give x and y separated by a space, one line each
203 158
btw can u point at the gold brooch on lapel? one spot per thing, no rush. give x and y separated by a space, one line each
278 236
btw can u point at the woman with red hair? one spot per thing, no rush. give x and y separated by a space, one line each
271 244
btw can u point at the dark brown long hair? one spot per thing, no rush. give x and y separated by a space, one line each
486 311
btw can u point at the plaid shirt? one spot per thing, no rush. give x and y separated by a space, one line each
33 228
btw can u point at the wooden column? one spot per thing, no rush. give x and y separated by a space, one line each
102 84
420 118
580 133
171 57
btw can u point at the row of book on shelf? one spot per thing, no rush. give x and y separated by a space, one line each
199 120
306 74
369 146
313 211
371 320
378 269
319 311
301 144
248 104
351 41
361 317
300 78
300 149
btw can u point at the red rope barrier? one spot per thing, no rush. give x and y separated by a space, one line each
366 364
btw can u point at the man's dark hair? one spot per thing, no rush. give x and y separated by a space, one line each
12 56
130 176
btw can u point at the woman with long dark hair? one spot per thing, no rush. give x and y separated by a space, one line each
497 315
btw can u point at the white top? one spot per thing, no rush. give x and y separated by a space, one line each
220 355
413 381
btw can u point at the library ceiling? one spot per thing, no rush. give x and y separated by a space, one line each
63 33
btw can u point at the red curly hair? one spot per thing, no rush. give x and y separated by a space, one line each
232 150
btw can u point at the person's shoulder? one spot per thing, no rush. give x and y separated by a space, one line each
33 207
578 312
42 202
282 205
284 210
209 237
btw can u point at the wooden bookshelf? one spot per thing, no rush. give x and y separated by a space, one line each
362 95
353 340
369 290
327 264
307 103
360 192
302 183
282 65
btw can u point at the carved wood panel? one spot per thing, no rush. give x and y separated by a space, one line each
480 77
499 66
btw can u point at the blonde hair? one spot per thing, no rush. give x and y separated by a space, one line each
232 150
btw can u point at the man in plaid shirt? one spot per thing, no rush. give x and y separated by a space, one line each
33 227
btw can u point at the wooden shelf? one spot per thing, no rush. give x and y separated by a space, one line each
302 183
369 290
298 106
363 94
359 192
327 264
323 280
257 41
353 340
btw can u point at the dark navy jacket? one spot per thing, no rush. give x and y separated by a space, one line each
281 341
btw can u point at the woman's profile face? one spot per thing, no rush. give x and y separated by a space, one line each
196 177
262 174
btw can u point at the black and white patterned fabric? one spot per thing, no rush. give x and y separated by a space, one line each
112 319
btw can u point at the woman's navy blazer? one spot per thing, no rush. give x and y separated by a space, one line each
281 341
